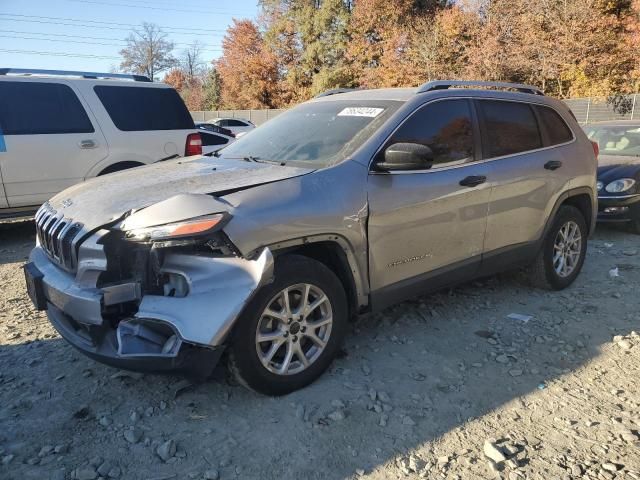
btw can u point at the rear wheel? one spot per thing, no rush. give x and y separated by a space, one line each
563 251
291 330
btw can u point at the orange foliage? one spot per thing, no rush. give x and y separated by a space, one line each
248 69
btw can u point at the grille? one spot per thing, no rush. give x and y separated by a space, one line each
56 235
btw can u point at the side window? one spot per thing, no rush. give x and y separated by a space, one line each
31 108
222 123
509 128
556 128
445 127
138 109
209 139
236 123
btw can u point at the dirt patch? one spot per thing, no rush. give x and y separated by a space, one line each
445 386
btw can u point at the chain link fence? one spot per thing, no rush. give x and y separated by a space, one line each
586 110
591 110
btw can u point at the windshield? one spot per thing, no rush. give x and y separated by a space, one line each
616 140
318 133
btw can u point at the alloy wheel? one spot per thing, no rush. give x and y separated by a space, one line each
294 329
567 249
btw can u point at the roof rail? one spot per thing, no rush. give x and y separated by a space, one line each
69 73
445 84
335 91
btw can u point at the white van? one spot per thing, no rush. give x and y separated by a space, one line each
58 128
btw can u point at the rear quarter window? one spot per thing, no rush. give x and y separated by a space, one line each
136 109
556 128
508 128
33 108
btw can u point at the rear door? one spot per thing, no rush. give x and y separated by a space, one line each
51 139
527 173
429 222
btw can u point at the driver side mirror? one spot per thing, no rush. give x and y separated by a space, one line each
406 156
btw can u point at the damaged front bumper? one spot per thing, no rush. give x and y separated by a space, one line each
163 333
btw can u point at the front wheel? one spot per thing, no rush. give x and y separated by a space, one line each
563 251
291 330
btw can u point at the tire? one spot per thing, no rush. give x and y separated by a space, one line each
542 272
294 272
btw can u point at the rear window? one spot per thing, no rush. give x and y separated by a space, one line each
135 109
30 108
556 128
509 128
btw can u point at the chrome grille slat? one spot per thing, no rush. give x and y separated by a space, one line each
58 236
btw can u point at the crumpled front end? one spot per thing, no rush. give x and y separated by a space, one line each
144 306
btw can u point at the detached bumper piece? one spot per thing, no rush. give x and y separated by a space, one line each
182 331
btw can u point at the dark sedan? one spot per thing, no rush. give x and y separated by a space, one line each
618 171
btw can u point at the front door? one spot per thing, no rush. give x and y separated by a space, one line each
427 227
50 140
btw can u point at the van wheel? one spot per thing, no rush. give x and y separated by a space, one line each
291 330
563 251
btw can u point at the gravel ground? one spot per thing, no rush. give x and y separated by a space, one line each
445 386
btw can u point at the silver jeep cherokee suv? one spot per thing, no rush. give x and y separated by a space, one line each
344 204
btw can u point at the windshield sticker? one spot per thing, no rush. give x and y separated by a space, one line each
361 112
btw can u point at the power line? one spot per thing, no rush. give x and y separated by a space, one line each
96 23
122 45
84 42
202 11
59 54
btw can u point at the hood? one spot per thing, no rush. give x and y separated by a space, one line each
104 199
614 167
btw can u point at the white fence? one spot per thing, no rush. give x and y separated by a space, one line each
586 110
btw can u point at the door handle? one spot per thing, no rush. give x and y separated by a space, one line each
553 164
87 144
473 180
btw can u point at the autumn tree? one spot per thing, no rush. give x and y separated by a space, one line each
381 41
248 69
148 52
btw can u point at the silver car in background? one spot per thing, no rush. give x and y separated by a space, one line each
344 204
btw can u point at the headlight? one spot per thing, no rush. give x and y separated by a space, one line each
177 230
599 186
621 185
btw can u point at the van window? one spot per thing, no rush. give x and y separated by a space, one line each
31 108
556 128
509 128
445 127
136 109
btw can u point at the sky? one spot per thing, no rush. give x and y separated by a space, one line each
87 35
